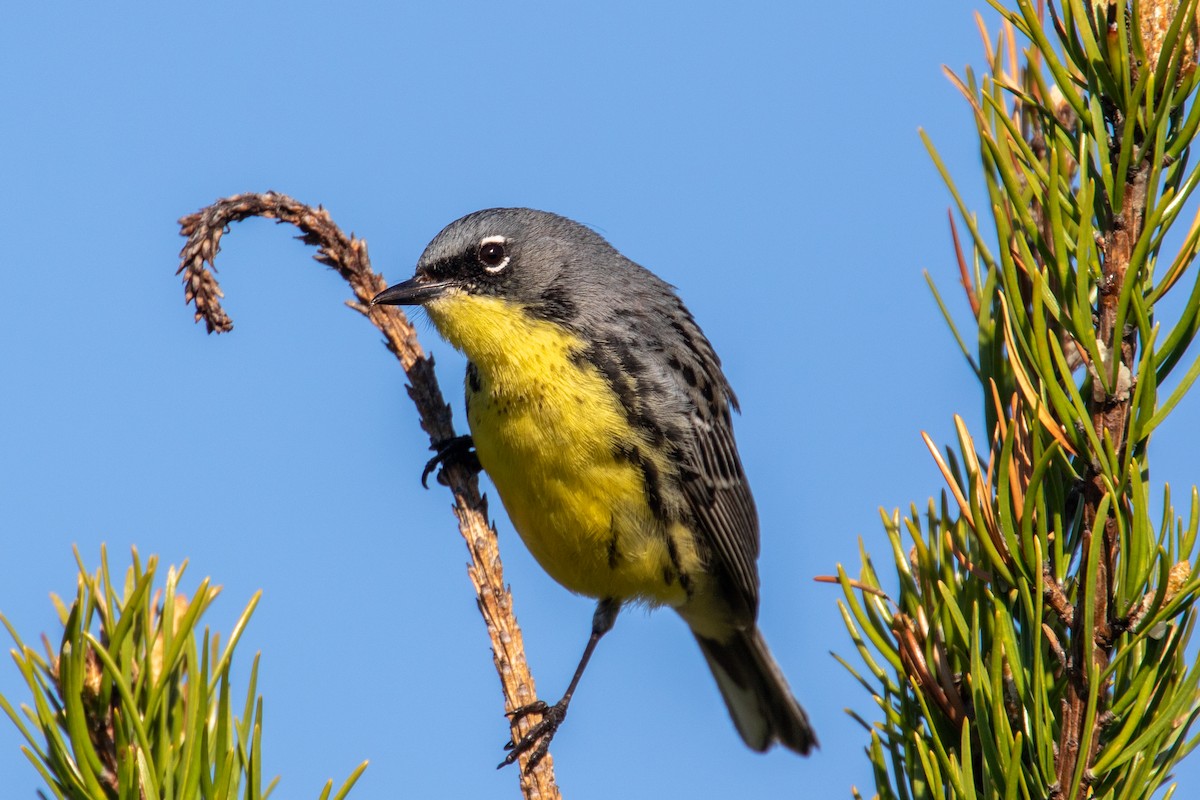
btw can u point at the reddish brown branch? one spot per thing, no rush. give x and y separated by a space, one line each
1110 417
348 256
1056 598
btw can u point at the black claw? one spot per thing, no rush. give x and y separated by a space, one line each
537 741
536 707
537 755
457 450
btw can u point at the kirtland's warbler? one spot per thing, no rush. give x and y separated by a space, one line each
601 413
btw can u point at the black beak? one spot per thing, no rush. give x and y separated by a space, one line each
412 292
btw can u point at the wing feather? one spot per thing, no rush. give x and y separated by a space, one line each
670 381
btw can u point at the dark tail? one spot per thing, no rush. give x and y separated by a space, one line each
756 693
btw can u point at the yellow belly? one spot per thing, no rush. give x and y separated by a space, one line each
550 433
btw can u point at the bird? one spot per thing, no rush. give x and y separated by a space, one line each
601 413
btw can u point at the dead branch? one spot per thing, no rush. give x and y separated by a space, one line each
348 256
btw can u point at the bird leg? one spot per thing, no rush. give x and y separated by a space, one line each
455 450
539 736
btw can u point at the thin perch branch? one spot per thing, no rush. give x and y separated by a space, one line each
348 256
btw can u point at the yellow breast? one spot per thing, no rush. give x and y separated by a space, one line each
551 434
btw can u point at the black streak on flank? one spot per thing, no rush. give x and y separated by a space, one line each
685 580
613 556
638 412
473 377
651 482
653 486
610 370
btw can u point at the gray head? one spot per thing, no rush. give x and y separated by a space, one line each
556 268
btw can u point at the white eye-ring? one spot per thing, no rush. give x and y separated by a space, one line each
492 254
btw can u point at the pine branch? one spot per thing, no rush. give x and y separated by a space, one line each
136 701
1040 586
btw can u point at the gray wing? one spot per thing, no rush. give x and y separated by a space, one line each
670 382
717 493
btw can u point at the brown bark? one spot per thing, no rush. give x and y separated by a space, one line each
1110 415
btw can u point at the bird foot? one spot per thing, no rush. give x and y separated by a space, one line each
456 450
537 741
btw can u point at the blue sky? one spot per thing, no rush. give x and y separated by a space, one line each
764 158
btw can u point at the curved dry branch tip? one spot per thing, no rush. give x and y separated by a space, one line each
204 229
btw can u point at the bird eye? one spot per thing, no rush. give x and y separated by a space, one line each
492 254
